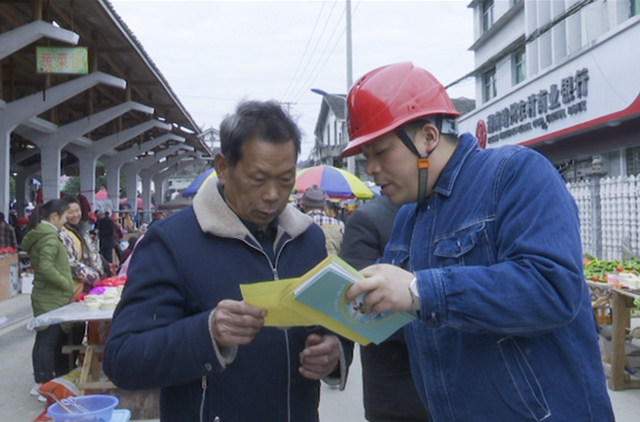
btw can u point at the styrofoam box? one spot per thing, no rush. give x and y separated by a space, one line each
27 283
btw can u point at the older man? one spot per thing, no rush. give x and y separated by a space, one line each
313 203
182 325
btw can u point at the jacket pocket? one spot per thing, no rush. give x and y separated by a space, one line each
467 246
398 257
527 388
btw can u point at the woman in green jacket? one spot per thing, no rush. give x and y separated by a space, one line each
52 286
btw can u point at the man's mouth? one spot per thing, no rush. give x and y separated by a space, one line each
266 214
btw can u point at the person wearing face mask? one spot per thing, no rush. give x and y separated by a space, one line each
486 250
52 287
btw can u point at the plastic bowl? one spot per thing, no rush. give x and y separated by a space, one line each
100 407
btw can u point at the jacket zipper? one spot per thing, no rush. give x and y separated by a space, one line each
274 266
203 385
286 333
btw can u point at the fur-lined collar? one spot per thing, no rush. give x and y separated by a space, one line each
214 216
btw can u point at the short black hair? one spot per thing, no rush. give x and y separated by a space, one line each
70 199
256 119
412 127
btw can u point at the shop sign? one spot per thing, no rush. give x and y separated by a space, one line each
62 60
538 111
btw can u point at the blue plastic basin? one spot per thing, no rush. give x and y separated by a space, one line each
100 407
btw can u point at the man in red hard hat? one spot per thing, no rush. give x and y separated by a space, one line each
486 250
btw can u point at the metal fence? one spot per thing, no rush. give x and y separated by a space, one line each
609 211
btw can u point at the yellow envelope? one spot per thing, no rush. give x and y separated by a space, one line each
267 295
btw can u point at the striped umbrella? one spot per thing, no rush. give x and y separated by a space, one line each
199 181
374 188
336 182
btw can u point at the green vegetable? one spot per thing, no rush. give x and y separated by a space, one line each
598 268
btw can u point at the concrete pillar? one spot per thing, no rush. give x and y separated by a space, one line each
19 111
50 170
21 179
87 156
147 169
50 144
596 174
132 183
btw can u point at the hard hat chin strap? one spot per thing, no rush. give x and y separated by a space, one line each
423 163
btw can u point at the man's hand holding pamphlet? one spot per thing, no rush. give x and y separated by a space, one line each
318 298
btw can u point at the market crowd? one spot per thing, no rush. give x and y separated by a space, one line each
64 245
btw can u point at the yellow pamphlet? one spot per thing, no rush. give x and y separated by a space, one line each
318 298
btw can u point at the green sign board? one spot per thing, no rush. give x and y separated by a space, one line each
62 60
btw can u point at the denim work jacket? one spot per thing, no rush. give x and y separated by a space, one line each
505 330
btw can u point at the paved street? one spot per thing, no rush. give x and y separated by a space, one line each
16 405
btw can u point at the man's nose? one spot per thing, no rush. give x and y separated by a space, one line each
371 167
271 192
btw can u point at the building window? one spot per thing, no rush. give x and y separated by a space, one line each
489 80
520 65
514 2
633 161
635 7
487 15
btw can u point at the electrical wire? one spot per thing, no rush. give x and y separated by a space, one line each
295 89
306 48
312 78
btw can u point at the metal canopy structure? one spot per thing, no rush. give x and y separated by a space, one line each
121 107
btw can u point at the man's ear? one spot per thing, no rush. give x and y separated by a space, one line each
429 136
222 167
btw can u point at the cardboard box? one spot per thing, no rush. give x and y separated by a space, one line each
9 276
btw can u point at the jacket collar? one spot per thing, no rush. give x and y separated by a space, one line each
215 217
447 179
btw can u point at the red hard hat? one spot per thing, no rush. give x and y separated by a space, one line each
390 96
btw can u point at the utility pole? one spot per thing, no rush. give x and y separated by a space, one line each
351 161
288 104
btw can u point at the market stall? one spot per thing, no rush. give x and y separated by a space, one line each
142 404
622 301
77 312
615 293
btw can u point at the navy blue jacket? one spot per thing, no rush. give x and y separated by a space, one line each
160 335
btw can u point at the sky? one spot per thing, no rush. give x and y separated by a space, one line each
216 53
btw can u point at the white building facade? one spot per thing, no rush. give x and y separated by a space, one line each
562 77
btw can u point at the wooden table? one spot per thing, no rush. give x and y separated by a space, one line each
76 312
142 404
621 304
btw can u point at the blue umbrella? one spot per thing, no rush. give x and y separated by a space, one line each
373 187
192 189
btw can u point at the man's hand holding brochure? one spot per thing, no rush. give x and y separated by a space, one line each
318 298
